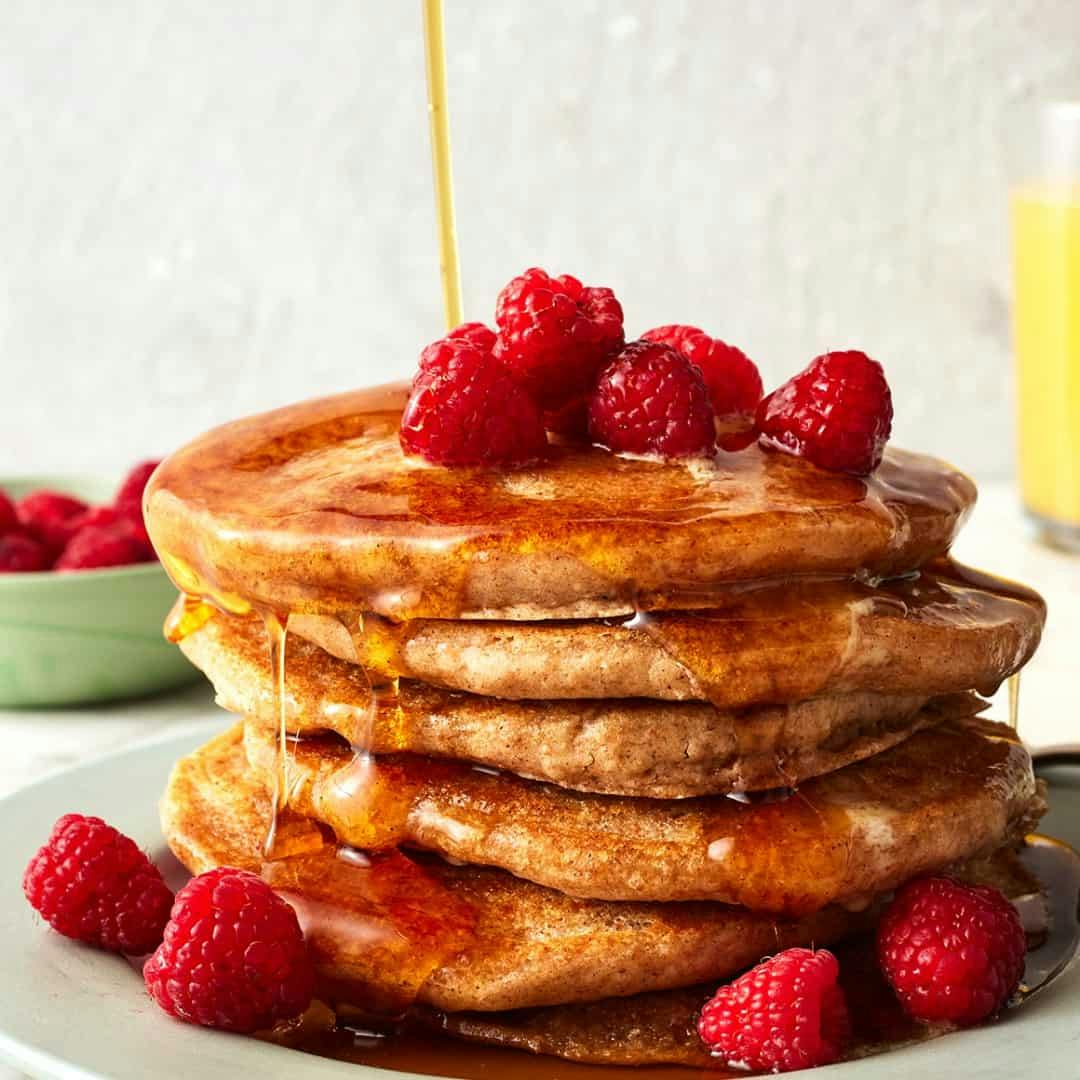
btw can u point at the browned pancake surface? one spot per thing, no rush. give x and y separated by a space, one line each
945 794
315 508
947 630
623 747
529 945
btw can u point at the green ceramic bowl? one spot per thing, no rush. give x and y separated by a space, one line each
89 636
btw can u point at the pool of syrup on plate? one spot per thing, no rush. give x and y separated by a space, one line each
418 1043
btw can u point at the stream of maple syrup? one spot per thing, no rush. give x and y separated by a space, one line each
438 114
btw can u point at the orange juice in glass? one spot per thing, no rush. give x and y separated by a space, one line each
1045 211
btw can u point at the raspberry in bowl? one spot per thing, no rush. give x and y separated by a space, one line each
82 595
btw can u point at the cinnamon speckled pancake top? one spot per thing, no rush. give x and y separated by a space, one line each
315 508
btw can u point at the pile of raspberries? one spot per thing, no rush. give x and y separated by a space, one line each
47 530
558 365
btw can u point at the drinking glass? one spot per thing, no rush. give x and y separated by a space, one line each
1045 213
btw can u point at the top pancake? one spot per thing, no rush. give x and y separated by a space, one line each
315 508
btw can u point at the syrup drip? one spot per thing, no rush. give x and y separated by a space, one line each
277 634
188 614
377 924
1014 701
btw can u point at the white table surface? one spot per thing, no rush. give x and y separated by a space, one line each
996 539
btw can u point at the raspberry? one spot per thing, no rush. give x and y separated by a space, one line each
571 422
466 409
652 400
92 883
556 334
8 518
131 490
836 413
50 517
233 956
97 517
22 554
731 376
787 1013
951 951
96 546
476 333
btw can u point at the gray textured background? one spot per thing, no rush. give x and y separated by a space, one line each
207 208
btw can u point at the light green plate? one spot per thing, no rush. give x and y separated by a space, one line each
91 636
72 1013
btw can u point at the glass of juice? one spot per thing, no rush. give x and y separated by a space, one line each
1045 211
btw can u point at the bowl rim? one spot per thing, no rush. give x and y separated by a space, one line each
29 577
97 572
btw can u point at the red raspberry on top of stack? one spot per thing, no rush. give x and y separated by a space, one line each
555 334
557 363
652 400
836 413
466 409
732 377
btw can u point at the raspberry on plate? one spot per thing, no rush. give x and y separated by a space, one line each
92 883
8 518
785 1014
50 516
556 334
233 956
466 409
732 377
22 554
951 952
652 400
476 333
836 413
97 546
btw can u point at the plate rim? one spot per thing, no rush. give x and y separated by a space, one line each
980 1045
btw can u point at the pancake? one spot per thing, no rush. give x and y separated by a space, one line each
660 1027
525 946
947 793
636 747
315 508
948 630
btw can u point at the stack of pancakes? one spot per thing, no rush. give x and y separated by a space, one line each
594 731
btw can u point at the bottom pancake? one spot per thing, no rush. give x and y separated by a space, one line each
459 938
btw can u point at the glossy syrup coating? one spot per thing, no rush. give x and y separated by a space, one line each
315 508
947 793
945 629
527 945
